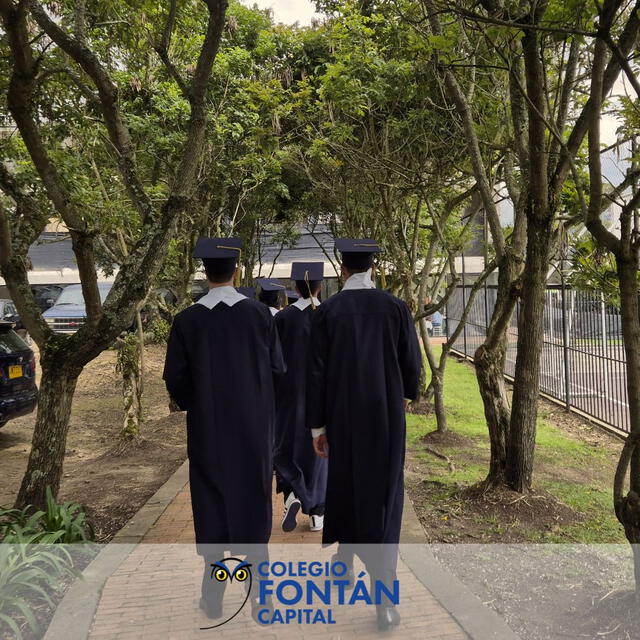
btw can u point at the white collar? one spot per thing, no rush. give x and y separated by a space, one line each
302 303
359 281
273 310
227 294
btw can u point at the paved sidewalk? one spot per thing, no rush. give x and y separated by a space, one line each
155 591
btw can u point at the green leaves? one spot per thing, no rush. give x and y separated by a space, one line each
34 564
58 523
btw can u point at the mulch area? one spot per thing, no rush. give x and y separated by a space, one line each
110 479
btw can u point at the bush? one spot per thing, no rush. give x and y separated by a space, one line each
158 332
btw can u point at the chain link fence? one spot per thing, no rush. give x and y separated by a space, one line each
582 361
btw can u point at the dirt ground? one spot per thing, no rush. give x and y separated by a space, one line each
544 591
468 515
111 483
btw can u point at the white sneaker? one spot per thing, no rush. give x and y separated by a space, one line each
291 507
316 523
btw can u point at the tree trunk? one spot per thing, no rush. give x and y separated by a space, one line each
129 365
132 401
423 386
438 401
630 316
184 282
489 359
57 386
627 507
437 379
524 411
490 363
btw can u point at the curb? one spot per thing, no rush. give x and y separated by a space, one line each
138 527
477 621
74 614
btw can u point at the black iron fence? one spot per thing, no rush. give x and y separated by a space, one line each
582 360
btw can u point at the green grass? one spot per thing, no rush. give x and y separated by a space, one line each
574 471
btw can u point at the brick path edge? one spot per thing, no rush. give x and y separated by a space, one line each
74 614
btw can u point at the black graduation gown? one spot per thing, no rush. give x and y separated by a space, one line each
294 458
364 359
219 368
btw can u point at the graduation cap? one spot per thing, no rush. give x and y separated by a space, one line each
307 271
292 296
219 255
248 292
268 284
357 253
269 291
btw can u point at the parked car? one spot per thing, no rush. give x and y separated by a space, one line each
46 294
9 313
7 309
18 391
68 314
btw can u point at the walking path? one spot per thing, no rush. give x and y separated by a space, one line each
146 584
155 591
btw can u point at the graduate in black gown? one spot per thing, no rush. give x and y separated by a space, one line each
292 296
364 361
301 475
222 351
270 290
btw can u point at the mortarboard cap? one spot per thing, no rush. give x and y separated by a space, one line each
292 295
310 271
217 248
357 253
219 255
269 284
248 292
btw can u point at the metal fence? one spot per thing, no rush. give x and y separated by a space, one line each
582 359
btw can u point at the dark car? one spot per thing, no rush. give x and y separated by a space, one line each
46 294
7 309
18 391
9 313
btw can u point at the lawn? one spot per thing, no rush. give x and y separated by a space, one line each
574 468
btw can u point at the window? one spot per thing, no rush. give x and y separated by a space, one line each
73 295
10 342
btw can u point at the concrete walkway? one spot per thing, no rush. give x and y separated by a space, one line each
155 591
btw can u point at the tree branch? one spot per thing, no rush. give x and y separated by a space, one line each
480 174
109 101
625 45
603 236
162 49
13 253
20 103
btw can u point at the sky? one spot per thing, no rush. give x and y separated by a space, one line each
288 11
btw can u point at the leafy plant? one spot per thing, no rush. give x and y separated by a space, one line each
68 518
30 571
159 332
59 523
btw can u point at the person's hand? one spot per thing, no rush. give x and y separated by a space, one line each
407 402
321 446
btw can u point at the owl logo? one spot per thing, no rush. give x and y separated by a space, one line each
232 569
